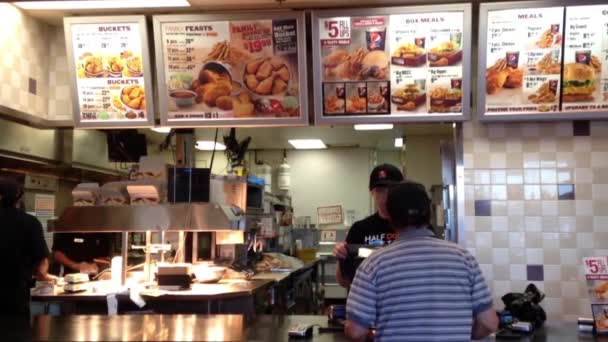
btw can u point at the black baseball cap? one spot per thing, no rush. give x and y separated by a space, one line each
385 175
408 204
10 192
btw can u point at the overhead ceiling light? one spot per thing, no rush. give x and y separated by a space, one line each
373 127
98 4
207 145
163 130
398 142
307 144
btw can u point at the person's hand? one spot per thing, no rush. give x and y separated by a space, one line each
52 278
87 268
341 250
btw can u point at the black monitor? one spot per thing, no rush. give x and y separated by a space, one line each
126 146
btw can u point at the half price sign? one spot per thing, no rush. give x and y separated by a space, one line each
596 268
335 31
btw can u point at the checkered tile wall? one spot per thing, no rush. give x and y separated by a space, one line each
536 203
33 60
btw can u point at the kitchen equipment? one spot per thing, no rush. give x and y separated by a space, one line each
172 277
300 330
208 274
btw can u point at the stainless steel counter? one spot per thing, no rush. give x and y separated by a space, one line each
219 328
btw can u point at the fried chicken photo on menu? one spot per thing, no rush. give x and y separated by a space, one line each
515 78
579 83
333 60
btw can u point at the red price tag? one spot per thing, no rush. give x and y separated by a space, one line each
596 266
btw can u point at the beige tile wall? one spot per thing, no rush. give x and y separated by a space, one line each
33 49
24 43
516 218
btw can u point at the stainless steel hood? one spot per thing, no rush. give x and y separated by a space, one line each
163 217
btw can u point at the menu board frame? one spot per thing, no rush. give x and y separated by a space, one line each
299 16
148 83
320 118
481 113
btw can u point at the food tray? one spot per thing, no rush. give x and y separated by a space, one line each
445 103
452 57
420 99
411 62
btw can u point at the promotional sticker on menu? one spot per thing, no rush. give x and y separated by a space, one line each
585 84
596 274
524 59
426 63
356 65
110 74
237 69
398 64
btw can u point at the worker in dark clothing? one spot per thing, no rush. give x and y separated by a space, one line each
24 256
373 231
83 252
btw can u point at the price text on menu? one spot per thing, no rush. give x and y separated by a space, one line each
231 69
109 69
408 65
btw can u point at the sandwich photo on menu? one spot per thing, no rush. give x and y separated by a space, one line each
579 83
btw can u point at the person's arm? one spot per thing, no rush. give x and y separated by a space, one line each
484 324
485 319
38 250
361 302
340 278
355 332
340 252
63 259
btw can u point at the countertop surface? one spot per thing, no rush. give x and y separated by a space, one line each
223 289
219 328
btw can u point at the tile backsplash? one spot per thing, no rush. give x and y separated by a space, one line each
536 203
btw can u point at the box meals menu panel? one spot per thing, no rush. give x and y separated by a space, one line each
392 67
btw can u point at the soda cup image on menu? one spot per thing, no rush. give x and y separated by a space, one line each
512 59
376 39
583 57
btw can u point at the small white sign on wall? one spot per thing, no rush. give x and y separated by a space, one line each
330 215
328 235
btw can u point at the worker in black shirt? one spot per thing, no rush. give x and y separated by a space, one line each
82 252
23 252
374 230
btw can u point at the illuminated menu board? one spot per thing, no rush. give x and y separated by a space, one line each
109 63
392 65
237 70
585 57
543 62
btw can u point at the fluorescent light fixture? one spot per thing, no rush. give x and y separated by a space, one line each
373 127
307 144
98 4
399 142
163 130
207 145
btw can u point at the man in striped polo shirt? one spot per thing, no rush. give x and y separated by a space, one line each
419 288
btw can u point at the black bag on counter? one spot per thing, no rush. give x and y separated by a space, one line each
525 306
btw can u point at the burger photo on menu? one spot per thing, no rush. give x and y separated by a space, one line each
446 53
579 83
410 97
